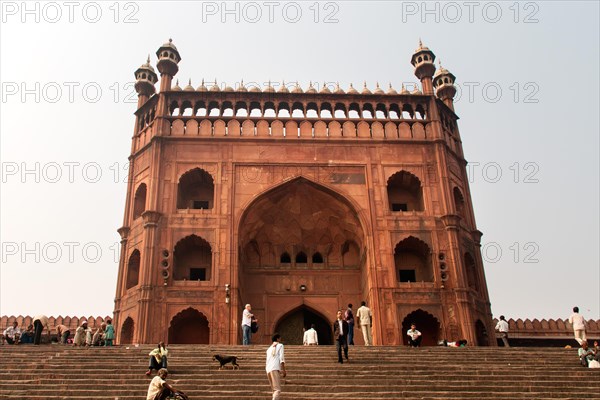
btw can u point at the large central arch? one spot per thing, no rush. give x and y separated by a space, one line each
300 242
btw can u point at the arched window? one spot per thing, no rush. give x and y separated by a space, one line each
195 190
459 202
317 258
285 258
405 192
192 259
413 261
133 269
301 258
471 268
139 201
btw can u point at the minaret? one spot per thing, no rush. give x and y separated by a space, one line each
444 86
168 58
145 78
422 60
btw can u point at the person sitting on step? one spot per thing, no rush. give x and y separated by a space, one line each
587 355
12 334
158 358
27 335
159 389
414 336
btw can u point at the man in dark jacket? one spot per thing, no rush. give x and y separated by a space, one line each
340 333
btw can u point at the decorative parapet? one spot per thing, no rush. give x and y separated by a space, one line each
552 328
70 322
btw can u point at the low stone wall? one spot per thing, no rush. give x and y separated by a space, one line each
551 328
70 322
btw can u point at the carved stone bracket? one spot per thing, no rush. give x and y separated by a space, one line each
477 234
124 233
451 221
151 218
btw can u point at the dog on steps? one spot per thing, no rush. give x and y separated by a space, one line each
223 360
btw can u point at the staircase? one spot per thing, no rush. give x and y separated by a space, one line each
65 372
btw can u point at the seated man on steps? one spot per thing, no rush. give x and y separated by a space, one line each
587 355
158 358
159 389
414 336
12 333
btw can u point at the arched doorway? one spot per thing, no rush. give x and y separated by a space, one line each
481 334
300 241
291 326
189 327
127 331
426 323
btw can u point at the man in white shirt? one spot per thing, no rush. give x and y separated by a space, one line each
12 333
159 389
578 323
502 327
247 324
414 336
365 319
275 365
310 337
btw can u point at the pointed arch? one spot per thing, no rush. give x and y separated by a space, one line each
139 201
426 323
133 269
189 326
412 258
195 190
127 331
405 192
192 259
291 324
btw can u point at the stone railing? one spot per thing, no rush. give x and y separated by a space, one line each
551 328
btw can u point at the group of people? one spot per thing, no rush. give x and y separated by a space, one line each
15 335
84 336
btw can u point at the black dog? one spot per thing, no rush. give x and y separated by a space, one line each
227 359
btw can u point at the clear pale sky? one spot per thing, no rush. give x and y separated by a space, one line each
528 74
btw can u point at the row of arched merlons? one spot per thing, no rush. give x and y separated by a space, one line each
413 262
190 326
196 190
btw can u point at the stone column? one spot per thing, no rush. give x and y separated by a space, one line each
461 289
147 266
124 233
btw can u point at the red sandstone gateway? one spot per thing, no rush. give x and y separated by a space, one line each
298 202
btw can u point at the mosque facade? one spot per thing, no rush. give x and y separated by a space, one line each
298 202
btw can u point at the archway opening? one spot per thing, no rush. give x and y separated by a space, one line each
133 269
139 201
127 331
426 323
292 325
471 272
195 190
405 192
412 258
481 334
190 326
192 259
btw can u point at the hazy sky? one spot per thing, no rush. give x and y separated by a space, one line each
528 101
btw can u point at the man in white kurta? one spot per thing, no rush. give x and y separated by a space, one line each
365 319
275 365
